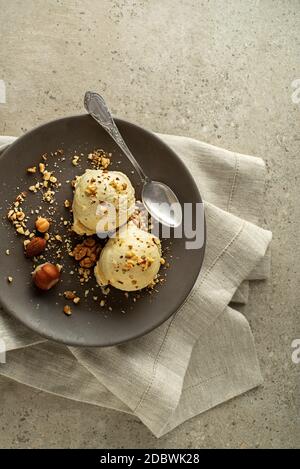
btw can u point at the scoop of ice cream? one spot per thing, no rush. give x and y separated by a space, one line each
103 201
130 261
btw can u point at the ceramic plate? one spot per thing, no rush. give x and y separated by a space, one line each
122 318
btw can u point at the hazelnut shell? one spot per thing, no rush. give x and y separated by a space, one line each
45 276
35 247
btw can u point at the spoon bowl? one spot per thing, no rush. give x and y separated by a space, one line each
162 203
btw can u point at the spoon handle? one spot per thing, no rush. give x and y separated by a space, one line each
97 108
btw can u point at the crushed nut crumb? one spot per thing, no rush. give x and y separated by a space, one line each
69 295
67 310
99 159
42 168
31 170
75 160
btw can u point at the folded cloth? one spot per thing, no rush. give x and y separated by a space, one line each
205 353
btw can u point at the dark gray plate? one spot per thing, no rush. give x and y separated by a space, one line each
90 325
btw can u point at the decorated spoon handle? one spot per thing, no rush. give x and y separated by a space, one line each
97 108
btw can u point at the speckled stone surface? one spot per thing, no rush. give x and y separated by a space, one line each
218 71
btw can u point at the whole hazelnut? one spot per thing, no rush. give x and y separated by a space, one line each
35 246
42 224
46 275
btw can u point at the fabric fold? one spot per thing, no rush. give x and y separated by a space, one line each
222 366
50 367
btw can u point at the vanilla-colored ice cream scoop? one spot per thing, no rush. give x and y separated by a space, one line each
130 261
103 201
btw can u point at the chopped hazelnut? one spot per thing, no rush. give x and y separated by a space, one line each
20 216
10 214
42 168
48 196
67 310
90 242
105 290
91 190
79 252
46 175
99 159
88 262
129 254
105 162
31 170
69 295
75 160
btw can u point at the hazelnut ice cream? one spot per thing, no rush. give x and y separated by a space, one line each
103 201
129 261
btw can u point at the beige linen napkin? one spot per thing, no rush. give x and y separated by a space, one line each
203 355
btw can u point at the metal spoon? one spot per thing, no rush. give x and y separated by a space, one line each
157 197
